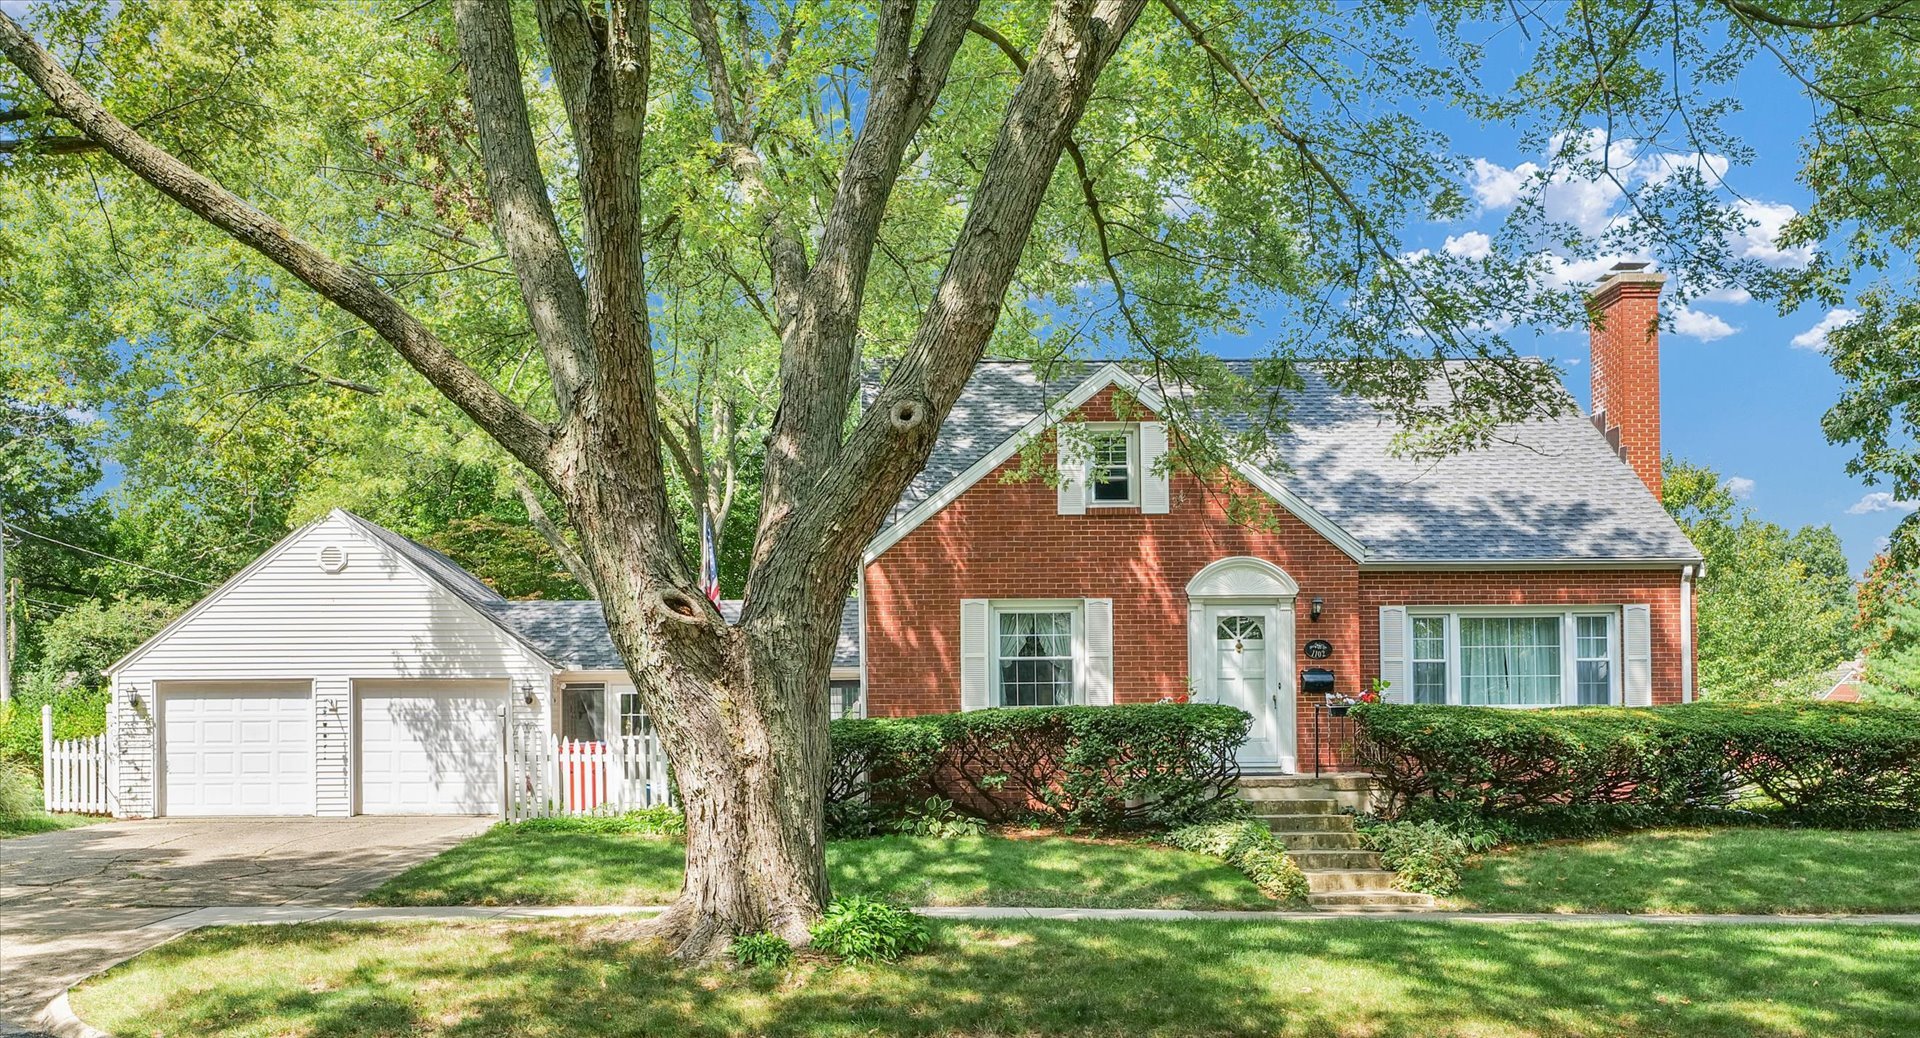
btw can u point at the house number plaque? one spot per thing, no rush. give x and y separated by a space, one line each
1319 649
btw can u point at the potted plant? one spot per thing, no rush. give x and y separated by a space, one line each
1339 703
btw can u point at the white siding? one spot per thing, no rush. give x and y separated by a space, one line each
286 619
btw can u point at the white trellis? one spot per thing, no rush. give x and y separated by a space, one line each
546 775
73 772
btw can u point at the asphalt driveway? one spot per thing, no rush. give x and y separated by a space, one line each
75 902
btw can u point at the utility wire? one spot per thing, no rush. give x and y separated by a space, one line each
16 528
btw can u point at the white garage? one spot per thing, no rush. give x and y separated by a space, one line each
429 747
237 749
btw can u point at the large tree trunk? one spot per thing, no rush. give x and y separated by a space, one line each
742 713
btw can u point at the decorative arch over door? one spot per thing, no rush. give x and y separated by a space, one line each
1240 652
1242 576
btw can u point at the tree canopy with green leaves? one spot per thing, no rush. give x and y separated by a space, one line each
1776 606
624 261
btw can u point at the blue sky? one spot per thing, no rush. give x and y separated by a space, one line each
1743 387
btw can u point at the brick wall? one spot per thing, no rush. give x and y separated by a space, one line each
1006 540
1625 341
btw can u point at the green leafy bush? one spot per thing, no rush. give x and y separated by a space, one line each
1252 848
1111 767
862 929
1427 856
19 787
646 821
936 818
1828 761
878 766
761 949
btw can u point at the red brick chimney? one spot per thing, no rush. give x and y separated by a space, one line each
1625 338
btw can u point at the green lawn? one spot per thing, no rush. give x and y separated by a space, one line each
1704 870
1373 978
41 822
511 865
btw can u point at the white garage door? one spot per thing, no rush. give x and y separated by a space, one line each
430 747
236 750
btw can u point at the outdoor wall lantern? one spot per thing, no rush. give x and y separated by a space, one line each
1313 609
526 694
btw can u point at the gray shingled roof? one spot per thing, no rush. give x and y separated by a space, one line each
574 634
569 634
1549 490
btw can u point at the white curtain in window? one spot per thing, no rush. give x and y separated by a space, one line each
1510 660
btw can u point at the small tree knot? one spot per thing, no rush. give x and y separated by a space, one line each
678 605
908 414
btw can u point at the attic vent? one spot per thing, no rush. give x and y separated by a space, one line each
333 558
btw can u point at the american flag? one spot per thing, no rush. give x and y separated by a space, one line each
709 561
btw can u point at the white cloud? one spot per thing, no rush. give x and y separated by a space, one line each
1562 272
1880 501
1732 296
1760 241
1815 338
1739 486
1698 324
1472 245
1498 187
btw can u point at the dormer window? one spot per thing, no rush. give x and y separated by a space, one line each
1113 457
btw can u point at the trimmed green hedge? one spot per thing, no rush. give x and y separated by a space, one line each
1831 759
1112 767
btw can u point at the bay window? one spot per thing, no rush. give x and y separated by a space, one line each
1513 658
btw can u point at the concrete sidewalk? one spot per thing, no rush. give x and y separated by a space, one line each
257 915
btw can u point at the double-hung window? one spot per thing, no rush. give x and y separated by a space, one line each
1112 461
1514 658
1034 660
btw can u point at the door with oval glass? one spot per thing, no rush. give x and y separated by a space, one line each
1251 652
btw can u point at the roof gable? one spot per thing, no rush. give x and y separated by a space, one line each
1550 492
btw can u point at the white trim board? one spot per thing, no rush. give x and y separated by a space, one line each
1109 374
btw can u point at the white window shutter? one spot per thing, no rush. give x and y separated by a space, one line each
975 638
1636 644
1099 641
1156 498
1393 654
1073 476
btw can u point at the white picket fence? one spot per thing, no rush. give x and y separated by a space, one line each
73 772
547 775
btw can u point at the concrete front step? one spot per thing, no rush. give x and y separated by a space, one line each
1318 861
1320 841
1306 823
1341 881
1352 792
1298 804
1382 900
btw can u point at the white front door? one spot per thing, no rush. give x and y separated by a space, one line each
237 750
430 747
1248 650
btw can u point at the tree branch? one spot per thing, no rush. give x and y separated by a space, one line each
520 433
1761 14
556 304
552 534
816 363
892 439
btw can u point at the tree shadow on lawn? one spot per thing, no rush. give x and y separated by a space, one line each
510 867
1050 871
1342 977
1720 870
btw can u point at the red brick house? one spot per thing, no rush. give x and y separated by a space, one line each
1539 571
349 670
